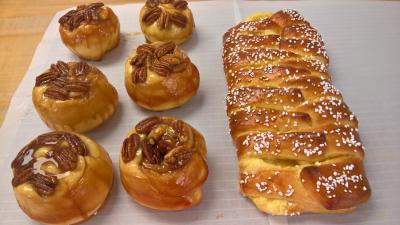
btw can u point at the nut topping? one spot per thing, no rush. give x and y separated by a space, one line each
151 153
161 68
62 81
145 126
44 185
139 59
129 148
155 13
166 48
179 19
159 58
82 14
177 158
165 146
151 15
64 149
180 5
139 75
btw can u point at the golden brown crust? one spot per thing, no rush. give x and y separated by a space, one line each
166 20
65 106
64 205
90 34
168 167
297 141
160 76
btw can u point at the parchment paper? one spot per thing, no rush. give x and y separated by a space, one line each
363 45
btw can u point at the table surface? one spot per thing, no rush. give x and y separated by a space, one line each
22 24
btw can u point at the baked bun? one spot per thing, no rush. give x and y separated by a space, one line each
74 96
160 76
163 164
61 178
90 31
166 20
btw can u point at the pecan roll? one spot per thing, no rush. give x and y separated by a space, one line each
54 176
68 94
90 31
162 164
160 76
162 20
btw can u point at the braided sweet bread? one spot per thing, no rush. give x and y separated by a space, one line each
297 141
163 164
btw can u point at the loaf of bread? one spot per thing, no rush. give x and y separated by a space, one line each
297 142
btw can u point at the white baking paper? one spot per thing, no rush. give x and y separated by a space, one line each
363 45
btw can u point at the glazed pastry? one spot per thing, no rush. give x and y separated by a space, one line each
160 76
55 176
163 164
166 20
90 31
74 96
297 141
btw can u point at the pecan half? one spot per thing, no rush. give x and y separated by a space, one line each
61 68
165 48
178 19
177 158
56 93
60 82
44 185
22 176
129 147
45 78
146 125
151 153
161 68
164 20
139 59
166 1
180 4
66 158
77 86
49 139
81 68
145 49
151 15
77 144
152 3
167 142
176 62
139 75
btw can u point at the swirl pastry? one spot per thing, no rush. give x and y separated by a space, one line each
74 96
297 142
90 31
160 76
166 20
162 164
55 175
